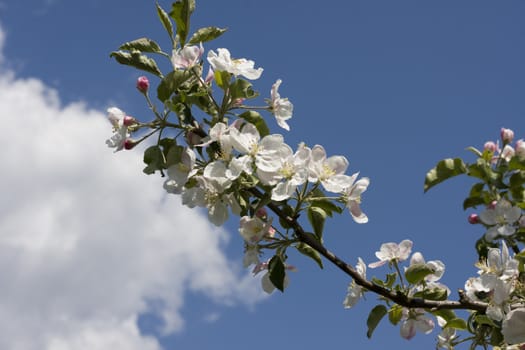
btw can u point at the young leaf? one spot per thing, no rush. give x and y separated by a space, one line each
257 120
457 323
375 316
206 34
137 60
444 170
142 45
317 217
277 272
181 11
166 22
171 83
417 272
241 88
310 252
395 314
154 158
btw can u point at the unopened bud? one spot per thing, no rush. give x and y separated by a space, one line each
473 219
507 135
261 213
143 84
128 121
492 205
490 146
520 149
129 144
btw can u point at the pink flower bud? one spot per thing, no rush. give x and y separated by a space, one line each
490 146
492 205
507 135
261 213
520 149
473 219
128 121
143 84
129 144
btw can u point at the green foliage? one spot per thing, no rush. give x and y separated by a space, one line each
375 316
277 272
457 323
317 217
142 45
416 273
181 11
137 60
444 170
241 88
256 119
165 20
154 158
171 83
206 34
395 314
305 249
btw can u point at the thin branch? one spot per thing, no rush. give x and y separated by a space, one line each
397 297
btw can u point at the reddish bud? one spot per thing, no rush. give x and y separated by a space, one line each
507 135
128 121
473 219
143 84
129 144
492 205
261 213
490 146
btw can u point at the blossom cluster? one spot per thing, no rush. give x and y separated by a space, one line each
224 158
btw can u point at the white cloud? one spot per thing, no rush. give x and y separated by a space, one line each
86 239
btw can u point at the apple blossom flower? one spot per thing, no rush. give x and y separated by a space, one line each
121 133
513 326
281 107
187 57
222 61
507 135
178 174
391 251
251 255
415 320
143 84
254 229
329 171
351 196
355 291
501 219
447 335
290 173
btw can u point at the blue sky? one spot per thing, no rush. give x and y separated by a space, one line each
394 86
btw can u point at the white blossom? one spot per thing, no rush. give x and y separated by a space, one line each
121 133
351 195
253 229
187 57
328 170
178 174
355 291
281 107
222 61
501 218
392 252
415 320
513 327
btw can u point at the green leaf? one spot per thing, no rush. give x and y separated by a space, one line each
277 272
241 88
415 273
475 151
516 164
174 155
310 252
222 79
327 205
316 217
181 11
257 120
444 170
142 45
438 294
375 316
154 158
171 83
457 323
446 314
472 202
166 22
395 314
137 60
206 34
